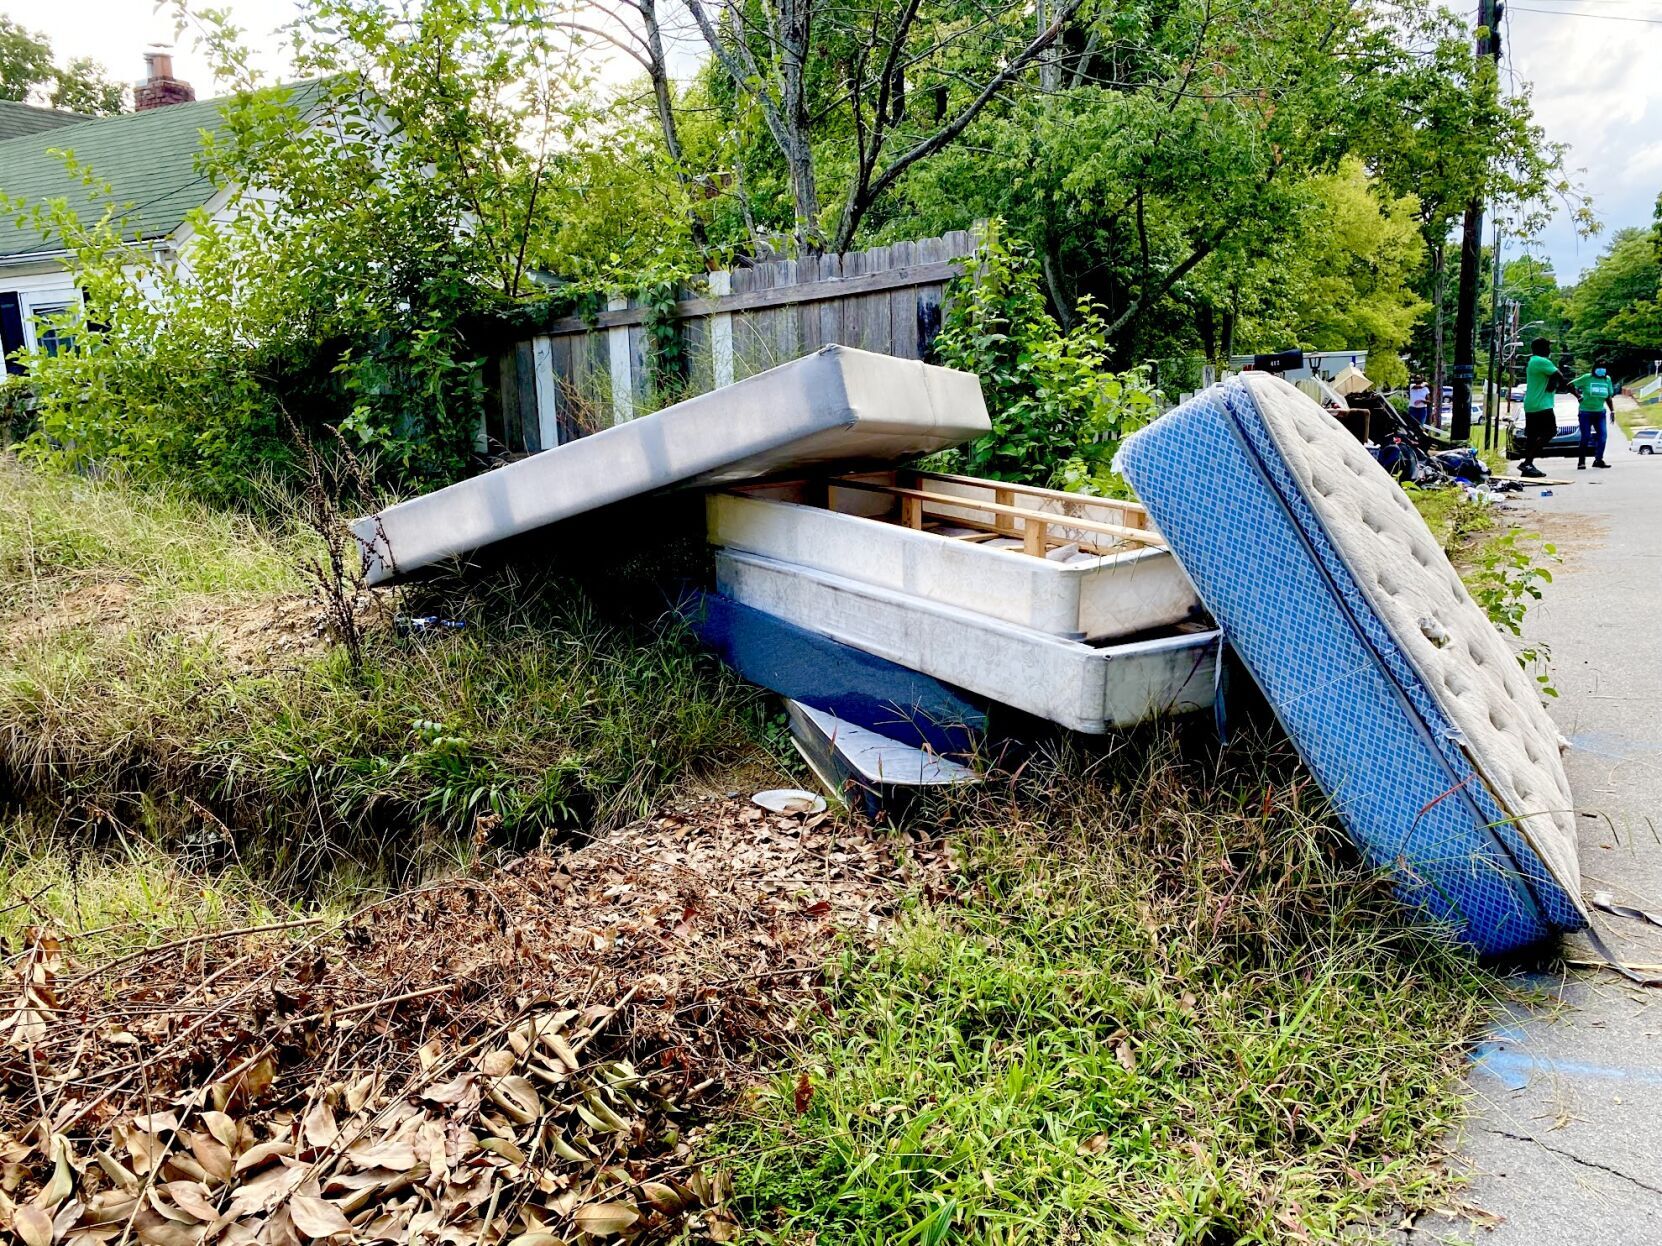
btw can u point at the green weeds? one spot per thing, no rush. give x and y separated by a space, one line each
1171 1009
128 894
1453 516
165 711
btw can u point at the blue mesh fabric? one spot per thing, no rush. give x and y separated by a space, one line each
1359 714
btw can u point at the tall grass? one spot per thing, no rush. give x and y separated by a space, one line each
128 893
1171 1008
543 713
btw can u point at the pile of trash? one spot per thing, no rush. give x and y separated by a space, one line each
915 622
899 611
514 1057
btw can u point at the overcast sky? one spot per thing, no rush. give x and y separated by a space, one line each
1596 67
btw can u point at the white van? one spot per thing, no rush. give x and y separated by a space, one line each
1645 440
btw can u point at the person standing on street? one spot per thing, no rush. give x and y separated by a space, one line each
1598 396
1419 400
1541 379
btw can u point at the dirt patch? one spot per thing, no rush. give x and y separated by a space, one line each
105 605
1570 533
252 634
528 1051
1568 530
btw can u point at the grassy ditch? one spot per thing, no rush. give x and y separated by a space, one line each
1154 998
163 674
1170 1008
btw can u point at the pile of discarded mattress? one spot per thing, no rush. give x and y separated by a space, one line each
893 608
897 609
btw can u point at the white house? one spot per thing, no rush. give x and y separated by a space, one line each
147 157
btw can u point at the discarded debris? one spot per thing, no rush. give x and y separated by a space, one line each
423 624
789 800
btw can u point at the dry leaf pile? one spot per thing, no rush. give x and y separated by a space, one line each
522 1058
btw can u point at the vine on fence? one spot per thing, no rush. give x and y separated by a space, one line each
666 356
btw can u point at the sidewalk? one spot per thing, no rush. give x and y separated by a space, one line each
1565 1140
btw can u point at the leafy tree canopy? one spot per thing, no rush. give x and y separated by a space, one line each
1542 308
1344 279
28 74
1615 312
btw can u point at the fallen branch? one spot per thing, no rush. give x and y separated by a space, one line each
216 936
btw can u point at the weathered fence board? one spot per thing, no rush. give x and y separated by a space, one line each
576 376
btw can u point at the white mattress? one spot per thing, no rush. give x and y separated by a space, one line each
1088 688
837 405
1137 589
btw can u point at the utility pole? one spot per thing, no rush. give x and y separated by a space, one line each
1471 254
1491 391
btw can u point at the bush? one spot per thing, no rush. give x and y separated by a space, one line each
1058 412
380 219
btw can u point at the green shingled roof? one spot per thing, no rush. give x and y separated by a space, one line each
149 158
18 119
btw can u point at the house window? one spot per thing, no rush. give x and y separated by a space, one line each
49 327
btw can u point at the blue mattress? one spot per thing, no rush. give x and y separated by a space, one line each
868 691
1412 716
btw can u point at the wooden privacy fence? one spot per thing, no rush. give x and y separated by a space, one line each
579 375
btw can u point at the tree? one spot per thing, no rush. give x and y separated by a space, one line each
1532 282
25 61
27 74
811 67
1345 279
1616 310
83 86
377 214
1446 134
1167 173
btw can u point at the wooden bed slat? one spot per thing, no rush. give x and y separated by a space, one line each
1030 519
1002 487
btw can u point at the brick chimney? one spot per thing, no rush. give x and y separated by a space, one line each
160 88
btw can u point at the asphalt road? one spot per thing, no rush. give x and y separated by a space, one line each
1564 1144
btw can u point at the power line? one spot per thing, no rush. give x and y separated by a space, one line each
1600 17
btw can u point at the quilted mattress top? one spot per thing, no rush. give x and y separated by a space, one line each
1466 666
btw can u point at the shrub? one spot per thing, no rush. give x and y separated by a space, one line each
376 214
1058 411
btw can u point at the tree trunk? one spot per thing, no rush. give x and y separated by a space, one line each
666 113
1053 282
795 22
1050 62
787 119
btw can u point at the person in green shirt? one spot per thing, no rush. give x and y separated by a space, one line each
1541 379
1598 394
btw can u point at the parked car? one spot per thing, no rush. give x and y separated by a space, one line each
1645 440
1476 404
1567 440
